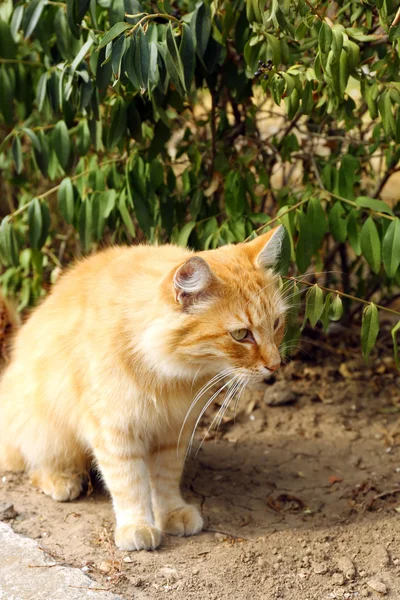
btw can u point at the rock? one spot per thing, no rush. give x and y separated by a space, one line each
380 556
127 559
338 578
377 586
105 566
279 394
18 579
7 511
320 568
347 567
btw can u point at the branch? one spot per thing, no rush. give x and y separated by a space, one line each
74 178
343 294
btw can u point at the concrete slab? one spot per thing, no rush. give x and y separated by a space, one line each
26 574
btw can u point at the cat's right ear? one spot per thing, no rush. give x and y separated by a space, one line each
192 281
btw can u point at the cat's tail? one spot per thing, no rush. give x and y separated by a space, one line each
10 457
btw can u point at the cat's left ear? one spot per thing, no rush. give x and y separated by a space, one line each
266 249
192 281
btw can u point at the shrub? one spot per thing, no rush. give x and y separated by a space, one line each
199 124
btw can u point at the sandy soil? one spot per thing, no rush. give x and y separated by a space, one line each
301 501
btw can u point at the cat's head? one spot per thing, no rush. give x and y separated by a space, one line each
225 312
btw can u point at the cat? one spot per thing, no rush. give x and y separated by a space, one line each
117 365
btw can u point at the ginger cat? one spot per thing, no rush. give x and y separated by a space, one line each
116 367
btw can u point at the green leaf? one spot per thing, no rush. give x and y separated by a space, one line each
314 304
8 243
173 62
126 217
16 21
394 332
377 205
325 38
184 233
6 95
371 244
17 154
66 200
35 223
187 53
385 110
85 224
83 139
336 309
36 12
235 195
391 248
369 329
114 32
338 222
142 59
117 129
41 91
61 143
201 29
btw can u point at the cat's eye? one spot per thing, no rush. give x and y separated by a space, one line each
240 335
276 324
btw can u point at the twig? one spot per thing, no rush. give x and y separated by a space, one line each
396 20
314 10
280 216
231 535
343 294
74 178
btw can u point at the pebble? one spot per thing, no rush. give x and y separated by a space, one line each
127 559
7 511
302 574
105 566
279 395
195 571
380 556
364 593
338 578
320 568
377 586
347 567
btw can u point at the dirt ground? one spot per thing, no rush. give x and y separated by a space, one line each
301 500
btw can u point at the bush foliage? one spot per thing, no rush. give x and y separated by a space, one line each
199 123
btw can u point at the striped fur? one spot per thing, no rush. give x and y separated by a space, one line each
106 370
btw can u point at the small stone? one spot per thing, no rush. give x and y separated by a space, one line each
377 586
347 567
380 556
127 559
105 566
85 569
302 574
320 568
195 571
365 593
338 578
260 561
362 573
7 511
279 394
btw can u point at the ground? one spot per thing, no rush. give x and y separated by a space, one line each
301 501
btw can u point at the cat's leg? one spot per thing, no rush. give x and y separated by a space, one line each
172 513
122 461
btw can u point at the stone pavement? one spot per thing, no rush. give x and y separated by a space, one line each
25 573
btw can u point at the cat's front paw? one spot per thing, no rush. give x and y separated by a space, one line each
185 520
137 536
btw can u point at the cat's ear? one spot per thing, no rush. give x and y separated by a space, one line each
192 280
266 249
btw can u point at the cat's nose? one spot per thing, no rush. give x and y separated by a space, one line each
274 367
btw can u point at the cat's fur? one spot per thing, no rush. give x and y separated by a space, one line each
108 366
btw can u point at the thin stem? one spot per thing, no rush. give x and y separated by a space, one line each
74 178
343 294
314 10
351 203
280 216
16 61
149 17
